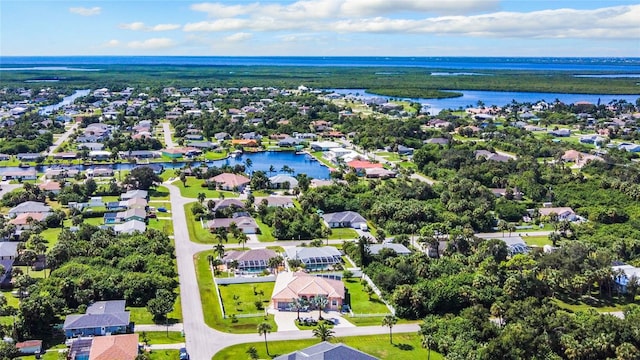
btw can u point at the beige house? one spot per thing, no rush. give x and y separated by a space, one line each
290 286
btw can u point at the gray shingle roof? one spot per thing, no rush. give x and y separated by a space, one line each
327 351
398 248
96 320
343 217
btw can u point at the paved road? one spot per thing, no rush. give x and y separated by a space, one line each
5 187
62 138
168 141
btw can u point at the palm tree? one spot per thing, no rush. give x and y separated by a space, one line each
389 321
219 249
248 163
299 304
272 169
252 352
323 332
201 197
263 329
427 343
242 239
320 302
275 262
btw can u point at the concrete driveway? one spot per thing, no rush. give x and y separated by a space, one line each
286 319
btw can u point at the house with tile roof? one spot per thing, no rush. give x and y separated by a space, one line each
101 318
245 223
114 347
326 350
282 181
230 182
130 227
290 286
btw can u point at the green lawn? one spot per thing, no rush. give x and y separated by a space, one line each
360 303
161 337
161 203
164 354
343 233
212 312
51 235
608 306
389 156
318 155
265 232
166 226
537 240
405 347
159 193
193 188
197 233
140 315
215 155
246 297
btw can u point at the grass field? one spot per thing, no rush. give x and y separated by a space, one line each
166 226
343 233
608 306
140 315
215 155
162 337
197 233
164 354
246 298
193 188
360 303
537 240
404 347
159 193
265 232
209 298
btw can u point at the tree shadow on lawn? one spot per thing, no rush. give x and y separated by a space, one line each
404 347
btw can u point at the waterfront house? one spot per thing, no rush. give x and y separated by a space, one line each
281 181
345 219
290 286
230 182
20 174
101 318
100 172
99 155
29 156
138 154
91 146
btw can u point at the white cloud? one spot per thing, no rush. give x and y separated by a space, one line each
152 44
86 11
112 43
140 26
238 37
618 22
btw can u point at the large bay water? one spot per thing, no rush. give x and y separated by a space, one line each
497 98
625 65
298 163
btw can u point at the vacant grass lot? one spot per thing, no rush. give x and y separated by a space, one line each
162 337
537 240
404 347
246 296
266 234
197 233
140 315
193 188
360 303
209 299
343 233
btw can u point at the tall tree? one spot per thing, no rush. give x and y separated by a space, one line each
162 305
389 321
263 329
142 178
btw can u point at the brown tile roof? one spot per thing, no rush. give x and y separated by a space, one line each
230 180
294 285
114 347
21 219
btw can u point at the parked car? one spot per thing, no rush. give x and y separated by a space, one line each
184 355
161 209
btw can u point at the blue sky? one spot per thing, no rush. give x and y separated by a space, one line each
605 28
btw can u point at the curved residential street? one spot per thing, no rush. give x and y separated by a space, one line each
202 341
